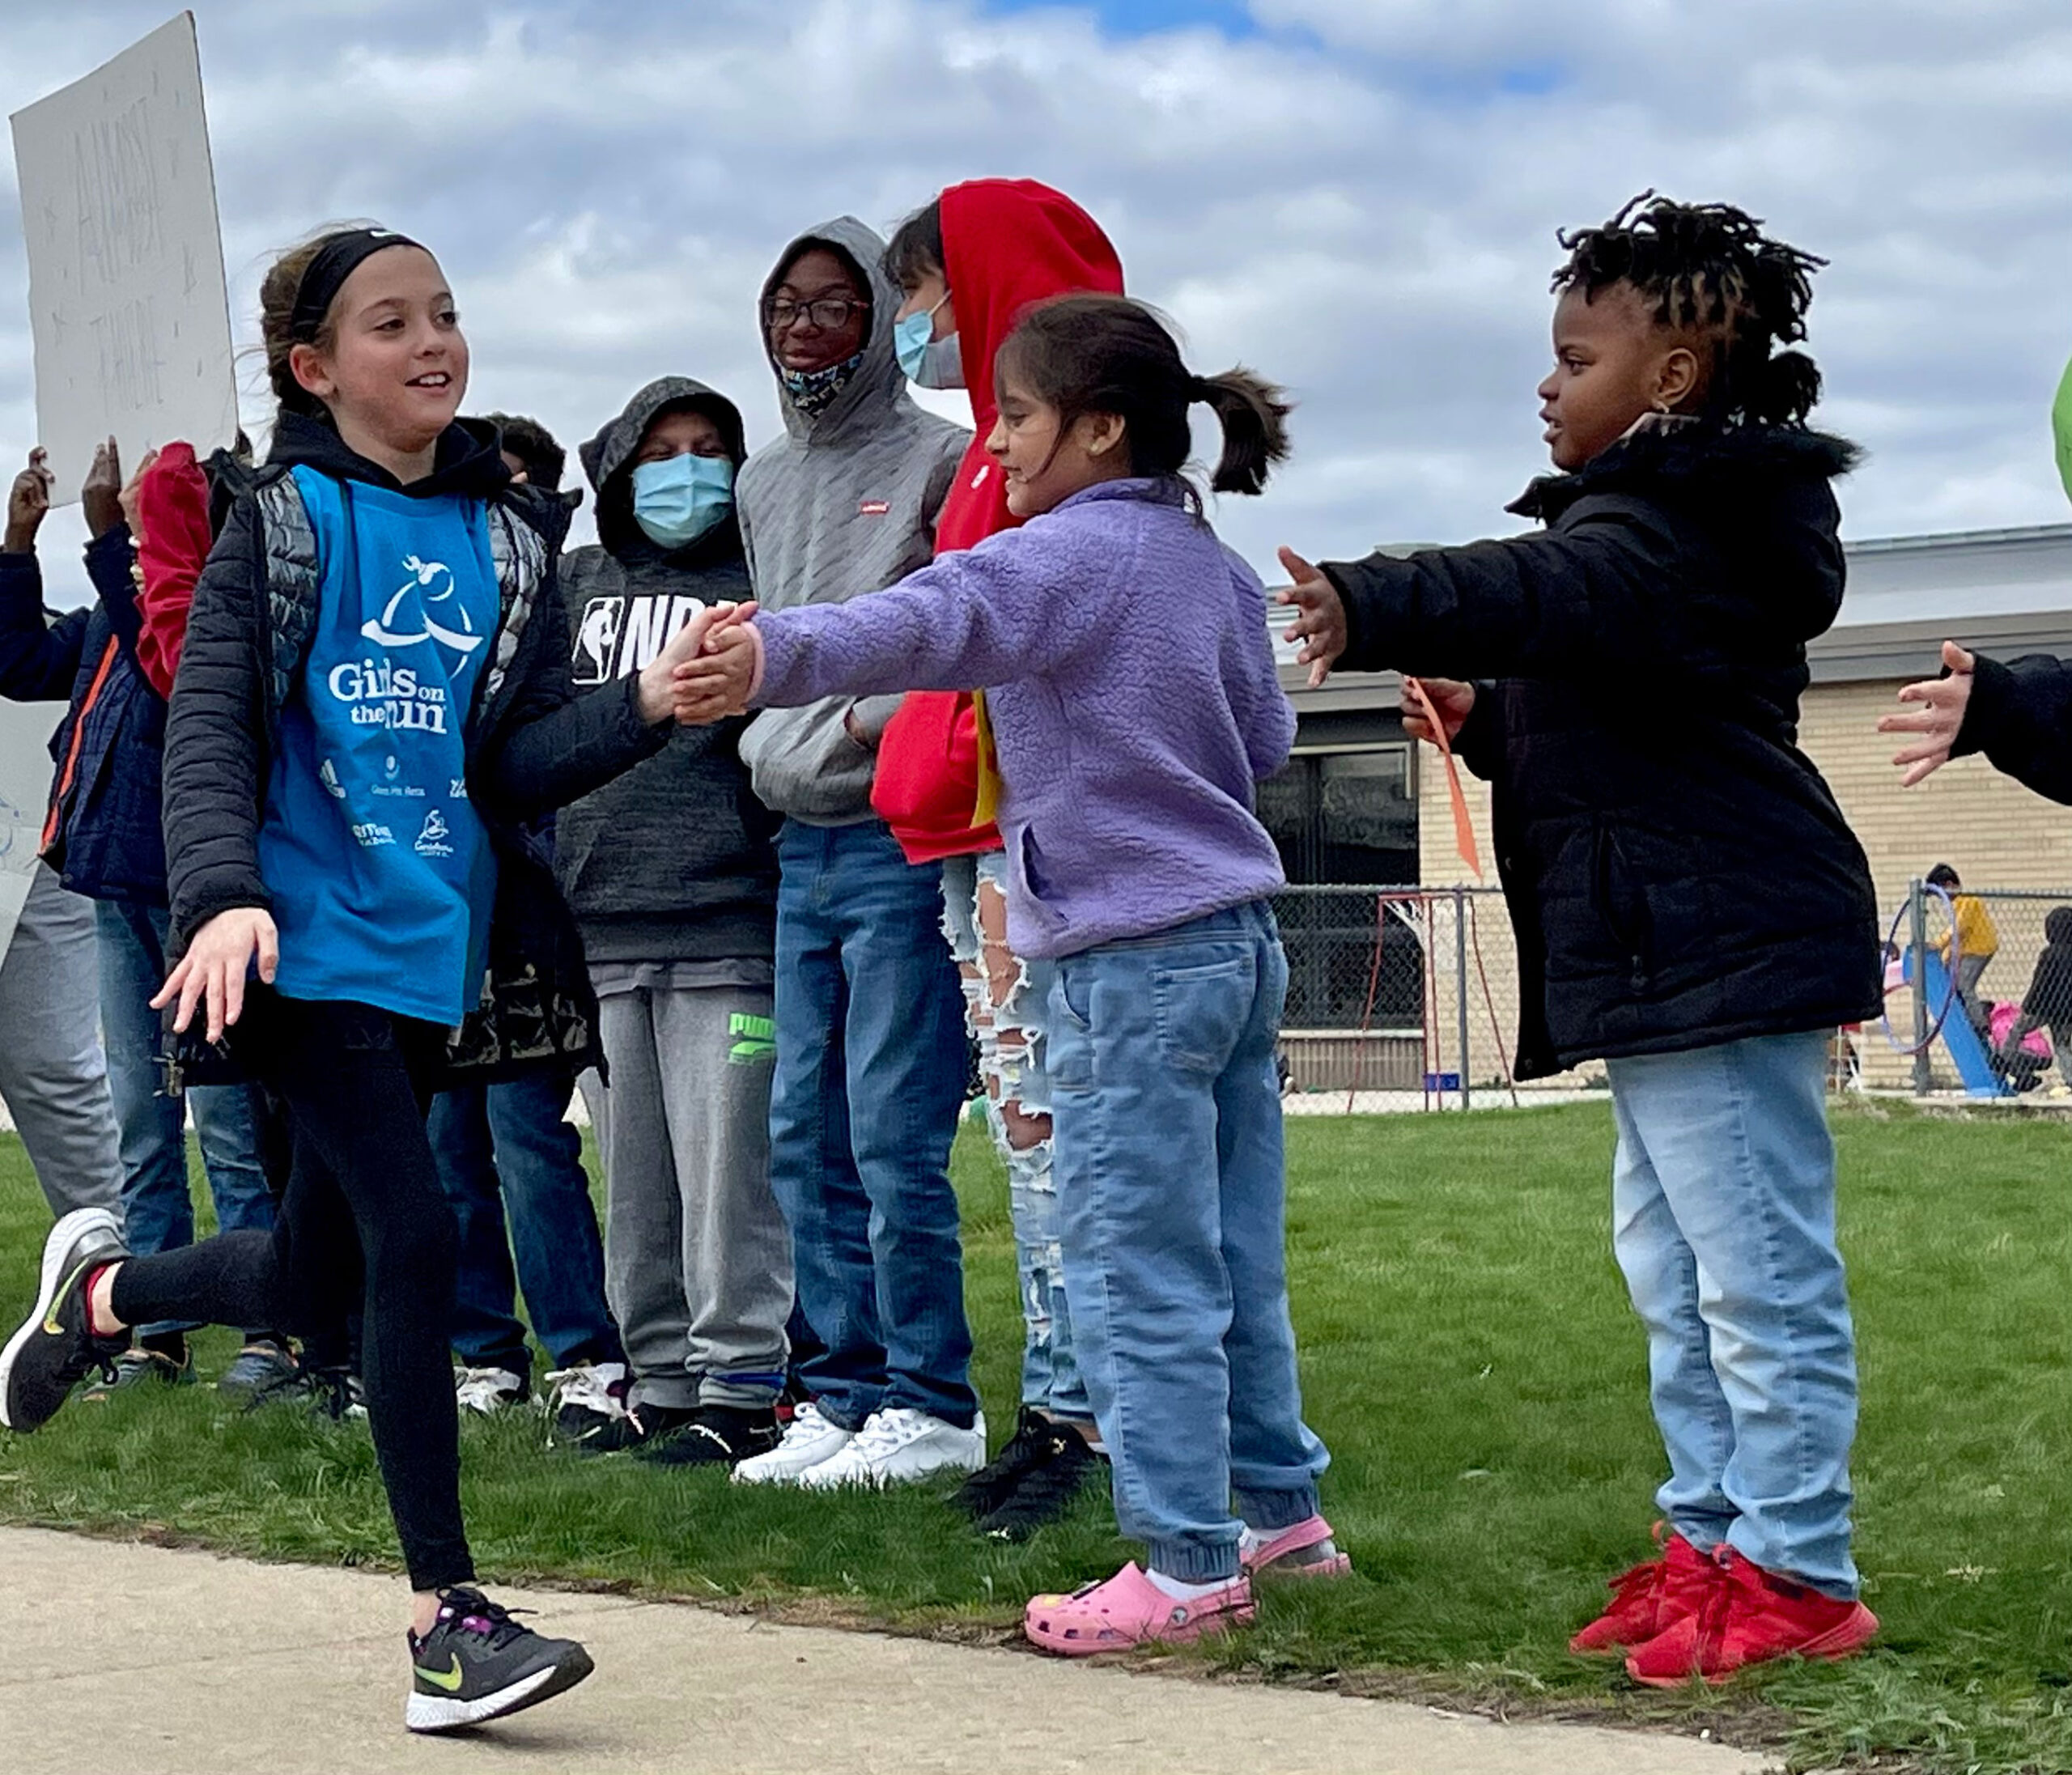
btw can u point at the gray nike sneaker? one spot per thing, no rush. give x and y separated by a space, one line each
53 1346
477 1664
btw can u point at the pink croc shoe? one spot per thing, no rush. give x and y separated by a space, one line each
1304 1550
1129 1610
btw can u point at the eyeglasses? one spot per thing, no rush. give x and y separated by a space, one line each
829 314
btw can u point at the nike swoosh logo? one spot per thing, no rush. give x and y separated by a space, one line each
50 1319
448 1680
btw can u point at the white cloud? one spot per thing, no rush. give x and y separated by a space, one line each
1361 202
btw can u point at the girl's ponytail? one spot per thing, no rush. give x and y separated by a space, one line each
1106 354
1253 415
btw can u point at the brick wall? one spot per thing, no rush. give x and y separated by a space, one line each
1994 832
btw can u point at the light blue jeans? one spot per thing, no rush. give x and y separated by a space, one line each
1172 1183
863 1105
1006 1001
1723 1221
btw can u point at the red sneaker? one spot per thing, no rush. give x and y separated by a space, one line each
1751 1617
1648 1598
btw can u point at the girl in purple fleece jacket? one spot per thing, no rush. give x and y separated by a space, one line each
1132 696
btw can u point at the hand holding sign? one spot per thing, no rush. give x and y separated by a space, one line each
28 504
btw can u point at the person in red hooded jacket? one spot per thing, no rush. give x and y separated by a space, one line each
969 265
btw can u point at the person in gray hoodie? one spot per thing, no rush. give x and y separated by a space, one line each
670 872
871 1053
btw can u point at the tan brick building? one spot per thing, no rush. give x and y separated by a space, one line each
2004 592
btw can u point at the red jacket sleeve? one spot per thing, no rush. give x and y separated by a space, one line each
173 513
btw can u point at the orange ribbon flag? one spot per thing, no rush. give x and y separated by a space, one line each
1463 826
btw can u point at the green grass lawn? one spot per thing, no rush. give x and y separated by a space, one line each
1469 1357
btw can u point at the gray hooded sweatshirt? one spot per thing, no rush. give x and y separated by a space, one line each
843 503
672 861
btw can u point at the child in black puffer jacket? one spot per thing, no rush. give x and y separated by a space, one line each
1690 905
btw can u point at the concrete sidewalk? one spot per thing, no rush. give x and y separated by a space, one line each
137 1661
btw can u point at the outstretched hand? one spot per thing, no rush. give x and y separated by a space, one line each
721 680
1939 720
657 688
212 972
1321 624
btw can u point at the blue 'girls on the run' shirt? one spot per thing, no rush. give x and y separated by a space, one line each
382 873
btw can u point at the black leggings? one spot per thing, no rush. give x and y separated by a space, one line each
362 1191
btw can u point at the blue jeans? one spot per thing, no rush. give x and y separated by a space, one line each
1723 1220
512 1134
1008 998
1172 1183
871 1066
158 1212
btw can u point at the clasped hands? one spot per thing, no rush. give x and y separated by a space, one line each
712 665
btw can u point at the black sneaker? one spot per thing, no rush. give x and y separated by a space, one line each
53 1347
713 1435
585 1402
993 1484
335 1393
1046 1487
632 1428
477 1664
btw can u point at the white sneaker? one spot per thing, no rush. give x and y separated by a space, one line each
898 1444
809 1439
487 1390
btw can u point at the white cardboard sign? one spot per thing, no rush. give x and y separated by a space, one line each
126 295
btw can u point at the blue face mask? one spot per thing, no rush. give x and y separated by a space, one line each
677 500
929 362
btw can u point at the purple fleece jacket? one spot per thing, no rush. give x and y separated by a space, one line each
1129 678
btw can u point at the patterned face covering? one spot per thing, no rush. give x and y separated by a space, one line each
813 392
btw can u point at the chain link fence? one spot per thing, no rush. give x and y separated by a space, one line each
1978 994
1413 993
1402 991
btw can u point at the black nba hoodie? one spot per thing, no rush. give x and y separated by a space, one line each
671 862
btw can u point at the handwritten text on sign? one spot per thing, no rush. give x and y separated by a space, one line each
126 296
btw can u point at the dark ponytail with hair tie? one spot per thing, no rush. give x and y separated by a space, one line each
1106 354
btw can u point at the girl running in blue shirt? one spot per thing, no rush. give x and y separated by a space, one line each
373 700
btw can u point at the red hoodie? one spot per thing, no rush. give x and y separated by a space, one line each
172 512
1006 244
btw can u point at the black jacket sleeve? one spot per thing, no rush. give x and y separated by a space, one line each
39 658
552 747
1565 604
216 737
109 558
2020 716
1480 744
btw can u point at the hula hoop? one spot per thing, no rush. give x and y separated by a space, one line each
1950 992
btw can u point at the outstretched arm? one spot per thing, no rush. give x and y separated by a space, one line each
2018 712
983 616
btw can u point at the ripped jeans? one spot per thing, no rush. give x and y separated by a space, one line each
1008 1000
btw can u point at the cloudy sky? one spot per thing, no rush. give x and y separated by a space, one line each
1357 196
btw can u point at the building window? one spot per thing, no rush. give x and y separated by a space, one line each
1344 816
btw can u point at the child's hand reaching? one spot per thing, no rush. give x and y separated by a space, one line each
720 681
1946 700
1321 627
1452 702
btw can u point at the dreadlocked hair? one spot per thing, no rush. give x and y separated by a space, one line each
1709 269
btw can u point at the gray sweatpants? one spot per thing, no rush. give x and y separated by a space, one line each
698 1258
53 1072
